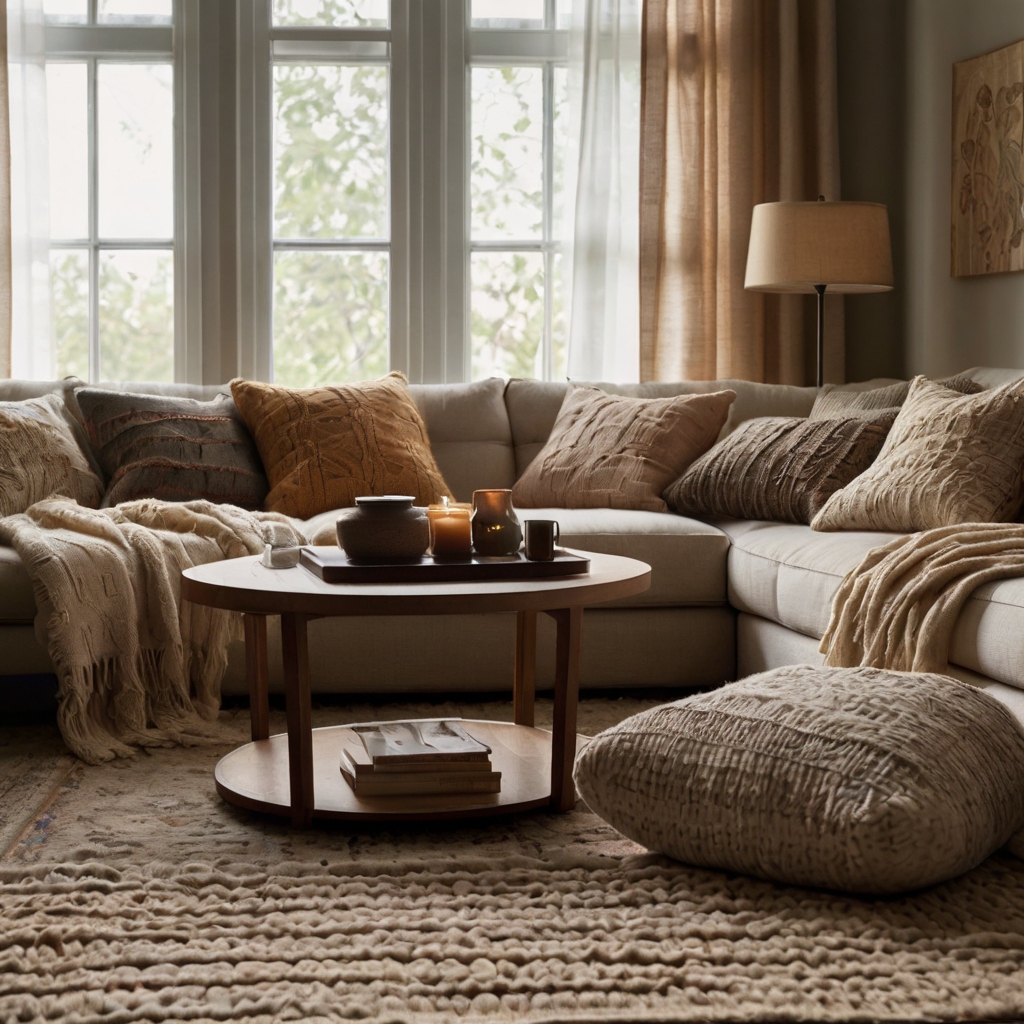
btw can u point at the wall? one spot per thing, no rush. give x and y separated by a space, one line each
871 72
950 323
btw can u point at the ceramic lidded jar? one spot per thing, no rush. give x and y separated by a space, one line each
496 529
384 529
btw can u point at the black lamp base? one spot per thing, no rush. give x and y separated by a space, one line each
820 289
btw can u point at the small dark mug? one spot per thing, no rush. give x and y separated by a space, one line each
541 537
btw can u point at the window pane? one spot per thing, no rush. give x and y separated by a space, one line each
136 150
507 314
508 13
134 12
560 133
507 180
331 12
330 151
330 317
137 315
67 110
66 12
69 311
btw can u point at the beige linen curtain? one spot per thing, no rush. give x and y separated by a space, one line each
5 206
738 108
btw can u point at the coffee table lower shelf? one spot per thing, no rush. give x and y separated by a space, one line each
256 776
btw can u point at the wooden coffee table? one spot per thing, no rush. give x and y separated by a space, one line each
297 774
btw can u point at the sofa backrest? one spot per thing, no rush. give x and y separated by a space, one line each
469 434
533 405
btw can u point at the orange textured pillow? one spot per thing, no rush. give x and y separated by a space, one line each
608 451
324 447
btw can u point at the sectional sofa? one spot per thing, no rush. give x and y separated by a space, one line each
727 597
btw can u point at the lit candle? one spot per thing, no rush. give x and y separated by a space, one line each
450 533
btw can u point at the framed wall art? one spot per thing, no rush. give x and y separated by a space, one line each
988 165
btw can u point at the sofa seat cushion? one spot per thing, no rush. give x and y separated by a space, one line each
17 599
789 575
687 557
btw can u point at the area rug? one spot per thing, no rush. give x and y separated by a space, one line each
135 894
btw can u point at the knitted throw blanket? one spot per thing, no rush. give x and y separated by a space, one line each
136 666
898 608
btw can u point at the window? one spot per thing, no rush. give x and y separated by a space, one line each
518 104
110 105
412 169
305 190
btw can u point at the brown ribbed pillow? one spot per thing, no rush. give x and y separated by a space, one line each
948 459
324 447
608 451
835 403
177 449
778 468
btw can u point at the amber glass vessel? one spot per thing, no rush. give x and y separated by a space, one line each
496 529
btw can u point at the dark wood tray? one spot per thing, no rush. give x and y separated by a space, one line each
332 565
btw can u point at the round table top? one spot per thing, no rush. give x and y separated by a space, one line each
246 585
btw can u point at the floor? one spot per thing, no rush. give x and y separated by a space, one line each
161 804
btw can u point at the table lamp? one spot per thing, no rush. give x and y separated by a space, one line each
808 247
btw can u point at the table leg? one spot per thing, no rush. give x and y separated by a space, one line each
256 674
524 683
567 690
300 723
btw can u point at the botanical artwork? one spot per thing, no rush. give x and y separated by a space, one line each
988 176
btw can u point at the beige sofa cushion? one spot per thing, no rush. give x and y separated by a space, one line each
17 599
533 405
687 557
789 574
948 459
469 433
855 779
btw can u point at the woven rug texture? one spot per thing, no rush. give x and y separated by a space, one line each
134 893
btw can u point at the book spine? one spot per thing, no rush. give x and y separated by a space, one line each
424 784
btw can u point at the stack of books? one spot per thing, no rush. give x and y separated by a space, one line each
426 756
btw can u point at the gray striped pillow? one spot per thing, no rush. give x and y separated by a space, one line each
178 449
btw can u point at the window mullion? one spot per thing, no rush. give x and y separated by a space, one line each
94 254
549 200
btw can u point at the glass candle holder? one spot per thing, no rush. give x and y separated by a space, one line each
450 532
496 529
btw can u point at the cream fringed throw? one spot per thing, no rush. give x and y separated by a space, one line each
136 666
897 609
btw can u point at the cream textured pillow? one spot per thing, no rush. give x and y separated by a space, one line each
855 779
948 459
609 451
40 457
324 447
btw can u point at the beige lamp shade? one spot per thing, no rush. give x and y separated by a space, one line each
795 246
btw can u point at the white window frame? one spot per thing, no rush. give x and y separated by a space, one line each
176 45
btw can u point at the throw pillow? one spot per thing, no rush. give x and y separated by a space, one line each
608 451
778 467
40 456
836 403
177 449
855 779
324 447
948 459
